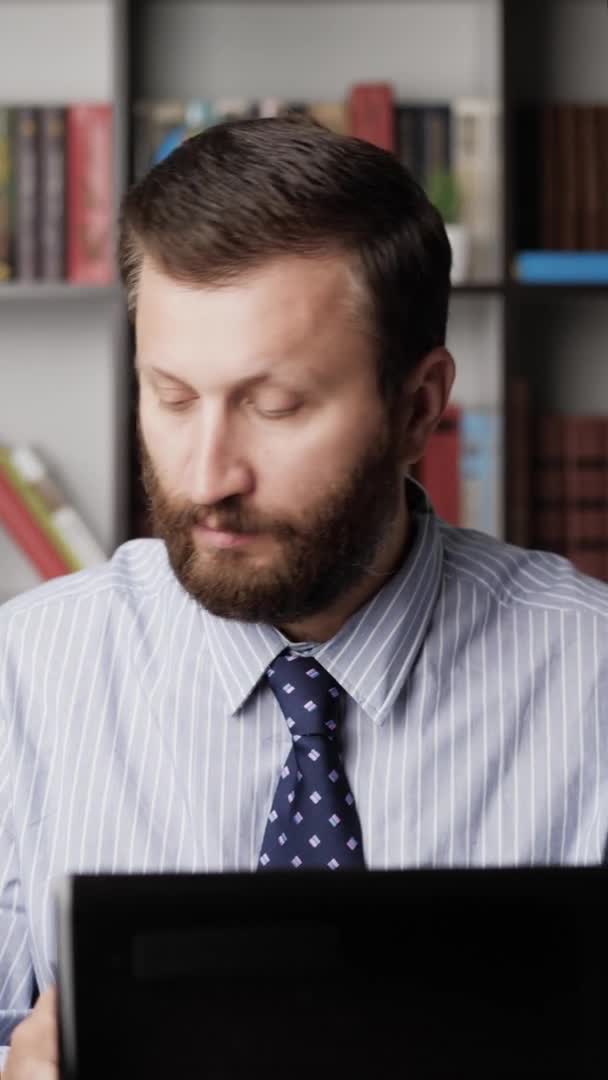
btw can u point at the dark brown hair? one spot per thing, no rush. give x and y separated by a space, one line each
244 192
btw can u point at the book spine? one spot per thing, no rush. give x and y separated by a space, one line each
6 165
408 139
584 468
480 479
567 175
26 201
89 194
548 173
476 153
332 115
588 159
52 193
371 111
439 470
79 544
27 534
436 141
518 474
601 123
38 507
547 494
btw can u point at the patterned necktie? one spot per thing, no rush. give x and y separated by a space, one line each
313 821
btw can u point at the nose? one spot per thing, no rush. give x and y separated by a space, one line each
219 468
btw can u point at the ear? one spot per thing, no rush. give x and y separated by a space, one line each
425 395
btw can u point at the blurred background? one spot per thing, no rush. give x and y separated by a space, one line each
500 109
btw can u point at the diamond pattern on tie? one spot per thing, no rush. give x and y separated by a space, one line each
313 822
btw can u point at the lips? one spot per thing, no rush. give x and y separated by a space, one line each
222 538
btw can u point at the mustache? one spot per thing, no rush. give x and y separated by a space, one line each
233 519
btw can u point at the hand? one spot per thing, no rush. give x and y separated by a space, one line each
34 1045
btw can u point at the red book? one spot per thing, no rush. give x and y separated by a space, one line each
27 534
439 470
372 114
89 195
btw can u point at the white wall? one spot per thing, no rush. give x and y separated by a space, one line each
426 48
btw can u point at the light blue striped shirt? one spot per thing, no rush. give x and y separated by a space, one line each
137 732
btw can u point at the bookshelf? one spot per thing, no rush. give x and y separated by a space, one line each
73 342
63 347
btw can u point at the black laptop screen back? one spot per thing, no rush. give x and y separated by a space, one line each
432 974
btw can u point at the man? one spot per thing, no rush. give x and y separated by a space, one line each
306 668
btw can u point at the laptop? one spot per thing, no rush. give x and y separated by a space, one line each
307 975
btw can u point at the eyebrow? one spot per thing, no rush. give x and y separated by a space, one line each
252 381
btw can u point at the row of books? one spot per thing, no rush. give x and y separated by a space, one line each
557 478
462 469
56 193
569 489
39 519
557 482
459 138
562 177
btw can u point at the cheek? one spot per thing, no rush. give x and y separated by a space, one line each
312 460
167 448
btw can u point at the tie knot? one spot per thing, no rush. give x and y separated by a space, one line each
307 694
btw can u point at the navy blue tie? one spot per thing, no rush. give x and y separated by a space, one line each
313 822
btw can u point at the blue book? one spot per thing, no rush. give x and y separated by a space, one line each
562 267
480 470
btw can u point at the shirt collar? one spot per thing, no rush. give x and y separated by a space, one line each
373 653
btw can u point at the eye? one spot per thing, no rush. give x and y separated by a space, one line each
175 406
273 407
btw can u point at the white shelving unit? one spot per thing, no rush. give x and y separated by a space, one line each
63 356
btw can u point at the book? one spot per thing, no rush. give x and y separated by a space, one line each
439 469
52 216
567 178
89 194
561 267
481 470
436 139
158 127
35 504
601 122
49 503
6 166
589 179
570 490
22 527
423 139
549 191
518 474
26 191
585 469
408 138
476 146
371 114
331 114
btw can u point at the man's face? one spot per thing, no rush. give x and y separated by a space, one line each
267 460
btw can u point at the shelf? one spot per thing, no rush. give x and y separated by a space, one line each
471 288
56 290
546 291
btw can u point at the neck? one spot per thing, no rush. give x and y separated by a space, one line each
326 624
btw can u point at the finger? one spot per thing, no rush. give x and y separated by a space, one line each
36 1037
31 1069
47 1002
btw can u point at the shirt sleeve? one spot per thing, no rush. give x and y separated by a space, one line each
16 968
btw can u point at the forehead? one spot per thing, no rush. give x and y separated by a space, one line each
291 296
294 320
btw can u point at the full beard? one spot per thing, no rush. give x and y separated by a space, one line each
317 561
